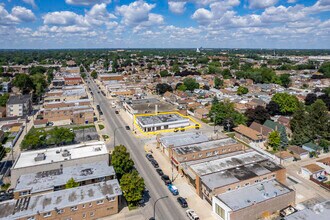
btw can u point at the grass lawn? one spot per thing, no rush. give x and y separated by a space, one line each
83 126
101 127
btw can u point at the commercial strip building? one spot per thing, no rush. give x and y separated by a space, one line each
66 93
215 176
157 122
253 201
142 106
57 158
319 211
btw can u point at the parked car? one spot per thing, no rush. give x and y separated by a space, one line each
173 189
127 127
182 202
192 214
322 178
154 163
166 180
149 157
160 172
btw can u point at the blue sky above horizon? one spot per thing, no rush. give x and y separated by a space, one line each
43 24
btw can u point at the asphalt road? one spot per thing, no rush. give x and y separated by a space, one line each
167 209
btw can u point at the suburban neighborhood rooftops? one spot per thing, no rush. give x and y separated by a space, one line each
161 118
221 164
297 150
60 199
47 180
250 195
51 155
186 149
188 138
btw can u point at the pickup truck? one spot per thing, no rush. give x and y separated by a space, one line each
173 189
192 214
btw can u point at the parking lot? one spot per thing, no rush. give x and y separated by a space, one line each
86 134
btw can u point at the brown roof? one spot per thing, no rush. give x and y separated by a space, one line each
297 150
248 132
313 168
261 128
283 120
325 161
202 111
40 122
283 155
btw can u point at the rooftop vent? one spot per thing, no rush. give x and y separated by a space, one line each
97 149
40 157
66 153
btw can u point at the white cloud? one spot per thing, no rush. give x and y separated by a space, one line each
30 2
138 14
86 2
202 16
177 7
259 4
64 18
18 15
292 1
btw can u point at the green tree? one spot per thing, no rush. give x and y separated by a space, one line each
287 103
300 127
319 120
94 74
218 83
274 140
325 145
24 83
161 88
121 161
71 183
182 87
83 75
285 80
258 114
325 69
242 90
3 99
164 73
191 84
39 83
33 140
132 186
37 69
226 74
175 68
225 110
60 136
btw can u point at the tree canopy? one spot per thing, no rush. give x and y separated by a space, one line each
132 186
286 102
94 74
191 84
161 88
225 110
121 161
258 114
242 90
274 140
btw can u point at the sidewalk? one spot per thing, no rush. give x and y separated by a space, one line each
201 207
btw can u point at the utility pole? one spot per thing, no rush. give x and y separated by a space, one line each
214 122
164 197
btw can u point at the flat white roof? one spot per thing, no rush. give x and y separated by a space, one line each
257 193
77 151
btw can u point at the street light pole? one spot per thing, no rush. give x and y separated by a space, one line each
214 123
164 197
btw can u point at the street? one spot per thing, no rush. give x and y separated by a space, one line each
166 208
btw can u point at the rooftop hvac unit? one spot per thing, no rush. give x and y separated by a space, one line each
40 157
66 153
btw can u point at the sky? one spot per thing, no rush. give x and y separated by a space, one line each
51 24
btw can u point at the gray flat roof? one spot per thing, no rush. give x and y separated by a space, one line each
77 151
60 199
221 164
183 139
234 175
161 118
320 211
249 195
19 99
196 147
47 180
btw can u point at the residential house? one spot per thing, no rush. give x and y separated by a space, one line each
248 135
280 128
311 147
313 170
298 152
